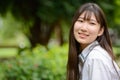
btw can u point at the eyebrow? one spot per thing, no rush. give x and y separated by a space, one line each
89 19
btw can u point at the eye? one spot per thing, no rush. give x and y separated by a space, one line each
80 20
92 23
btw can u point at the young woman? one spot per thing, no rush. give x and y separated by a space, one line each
90 55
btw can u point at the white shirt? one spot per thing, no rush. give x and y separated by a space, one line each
97 64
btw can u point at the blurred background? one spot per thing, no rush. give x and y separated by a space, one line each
34 36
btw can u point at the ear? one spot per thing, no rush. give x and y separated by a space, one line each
100 31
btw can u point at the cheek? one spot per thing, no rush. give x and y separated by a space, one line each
76 26
94 32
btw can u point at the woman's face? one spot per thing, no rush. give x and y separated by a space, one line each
86 31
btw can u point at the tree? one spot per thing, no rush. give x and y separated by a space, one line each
41 17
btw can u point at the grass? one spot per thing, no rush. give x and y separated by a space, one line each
12 52
8 52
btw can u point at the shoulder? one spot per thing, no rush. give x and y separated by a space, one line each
99 55
98 59
99 62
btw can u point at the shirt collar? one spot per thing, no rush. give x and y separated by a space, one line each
86 51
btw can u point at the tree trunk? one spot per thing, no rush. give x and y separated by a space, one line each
40 33
59 33
35 32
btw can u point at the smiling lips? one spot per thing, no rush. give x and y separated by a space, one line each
83 35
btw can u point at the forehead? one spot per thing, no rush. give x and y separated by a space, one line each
87 15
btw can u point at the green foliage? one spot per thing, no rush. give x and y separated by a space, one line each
46 14
117 12
43 64
116 50
9 28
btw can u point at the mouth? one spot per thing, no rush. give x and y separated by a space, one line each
83 35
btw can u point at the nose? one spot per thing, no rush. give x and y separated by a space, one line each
84 27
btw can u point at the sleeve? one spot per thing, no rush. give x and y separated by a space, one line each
98 70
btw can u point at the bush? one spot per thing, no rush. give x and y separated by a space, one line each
42 64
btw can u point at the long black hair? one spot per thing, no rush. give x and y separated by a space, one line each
104 40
